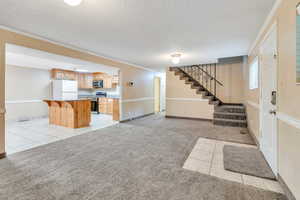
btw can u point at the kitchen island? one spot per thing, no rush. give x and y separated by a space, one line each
74 113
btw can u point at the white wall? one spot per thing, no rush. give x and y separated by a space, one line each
24 91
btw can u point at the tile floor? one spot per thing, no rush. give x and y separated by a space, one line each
207 158
21 136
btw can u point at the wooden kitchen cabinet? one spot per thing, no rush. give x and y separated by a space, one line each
89 81
108 80
60 74
102 105
109 106
97 76
106 105
85 80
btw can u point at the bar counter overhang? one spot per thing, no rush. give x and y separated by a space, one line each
71 113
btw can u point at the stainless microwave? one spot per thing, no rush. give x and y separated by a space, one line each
98 84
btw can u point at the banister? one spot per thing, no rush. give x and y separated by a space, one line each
205 73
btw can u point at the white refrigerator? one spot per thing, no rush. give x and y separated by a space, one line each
65 89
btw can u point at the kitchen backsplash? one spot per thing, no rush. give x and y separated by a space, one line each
110 92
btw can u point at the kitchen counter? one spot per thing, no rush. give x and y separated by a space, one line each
71 113
78 99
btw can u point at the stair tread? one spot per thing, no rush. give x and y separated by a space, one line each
230 120
232 106
230 113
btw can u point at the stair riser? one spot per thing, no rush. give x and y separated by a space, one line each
232 124
231 110
237 117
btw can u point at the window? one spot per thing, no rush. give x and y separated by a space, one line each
253 74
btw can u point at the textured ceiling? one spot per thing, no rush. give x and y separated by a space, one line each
144 32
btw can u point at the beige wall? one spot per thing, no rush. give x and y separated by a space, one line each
25 84
2 96
231 76
288 94
143 79
182 101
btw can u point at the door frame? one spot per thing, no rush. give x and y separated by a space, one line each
271 30
157 100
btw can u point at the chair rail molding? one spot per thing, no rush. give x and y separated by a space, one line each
186 99
253 104
288 119
136 100
24 101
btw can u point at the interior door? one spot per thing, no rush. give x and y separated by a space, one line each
268 69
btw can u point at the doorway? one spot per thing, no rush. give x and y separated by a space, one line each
157 94
32 76
268 89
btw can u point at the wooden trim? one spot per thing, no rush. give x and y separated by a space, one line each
286 189
75 48
127 120
136 100
254 137
190 118
2 155
254 105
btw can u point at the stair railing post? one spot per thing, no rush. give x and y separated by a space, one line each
215 80
210 78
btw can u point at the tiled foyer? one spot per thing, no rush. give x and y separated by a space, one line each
207 158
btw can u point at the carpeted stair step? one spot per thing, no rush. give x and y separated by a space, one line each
203 92
231 109
228 115
230 122
215 103
209 97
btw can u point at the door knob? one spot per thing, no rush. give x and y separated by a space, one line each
272 112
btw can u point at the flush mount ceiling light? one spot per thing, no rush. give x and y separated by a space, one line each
73 2
176 58
81 70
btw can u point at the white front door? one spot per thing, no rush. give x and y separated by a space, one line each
268 83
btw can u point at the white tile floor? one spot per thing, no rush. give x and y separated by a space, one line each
207 158
21 136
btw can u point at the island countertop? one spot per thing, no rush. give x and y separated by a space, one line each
71 113
78 99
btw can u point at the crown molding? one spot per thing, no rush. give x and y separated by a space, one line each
265 25
72 47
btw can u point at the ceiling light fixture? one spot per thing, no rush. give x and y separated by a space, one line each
73 2
298 9
176 58
81 70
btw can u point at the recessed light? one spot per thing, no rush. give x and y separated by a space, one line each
176 58
73 2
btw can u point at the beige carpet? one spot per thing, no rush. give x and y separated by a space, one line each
123 162
199 128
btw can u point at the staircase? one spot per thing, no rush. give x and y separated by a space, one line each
203 78
230 115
